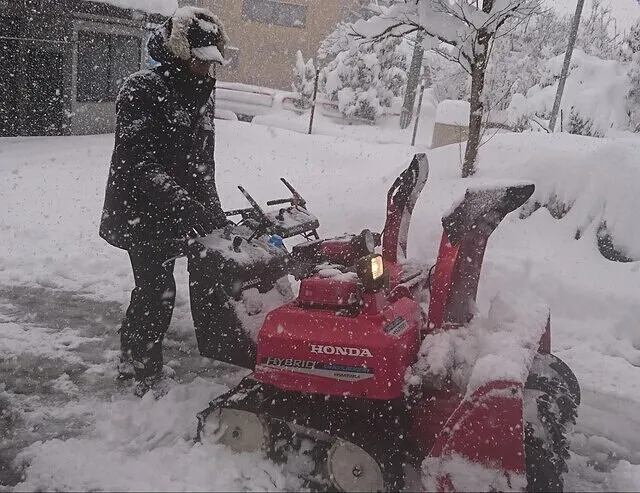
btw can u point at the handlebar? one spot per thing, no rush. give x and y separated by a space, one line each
280 201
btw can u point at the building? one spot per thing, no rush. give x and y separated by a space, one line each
265 35
62 63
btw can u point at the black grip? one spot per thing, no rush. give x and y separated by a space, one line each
279 201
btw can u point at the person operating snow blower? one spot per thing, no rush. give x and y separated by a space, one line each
161 188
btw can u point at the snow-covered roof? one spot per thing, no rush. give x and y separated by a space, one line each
164 7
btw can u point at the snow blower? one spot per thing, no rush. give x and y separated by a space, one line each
379 364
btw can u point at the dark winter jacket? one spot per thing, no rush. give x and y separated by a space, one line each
163 159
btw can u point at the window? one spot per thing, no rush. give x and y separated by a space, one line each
272 12
232 54
104 61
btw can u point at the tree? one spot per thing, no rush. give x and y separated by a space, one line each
632 50
304 76
460 30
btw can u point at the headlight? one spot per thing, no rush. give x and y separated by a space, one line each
377 267
371 272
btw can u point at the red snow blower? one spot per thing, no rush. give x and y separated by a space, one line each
379 365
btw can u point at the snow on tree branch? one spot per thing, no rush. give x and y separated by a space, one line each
457 23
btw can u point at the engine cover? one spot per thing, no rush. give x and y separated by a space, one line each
317 351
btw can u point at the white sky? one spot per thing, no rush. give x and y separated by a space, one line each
626 12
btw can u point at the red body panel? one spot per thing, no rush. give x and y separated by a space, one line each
339 250
487 428
313 350
328 292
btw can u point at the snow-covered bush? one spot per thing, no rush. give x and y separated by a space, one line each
578 124
595 99
365 78
519 113
304 76
631 42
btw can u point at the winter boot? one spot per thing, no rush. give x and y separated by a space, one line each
126 370
125 365
159 384
150 374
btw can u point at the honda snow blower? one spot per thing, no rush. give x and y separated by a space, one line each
379 364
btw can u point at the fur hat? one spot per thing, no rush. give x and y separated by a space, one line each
196 33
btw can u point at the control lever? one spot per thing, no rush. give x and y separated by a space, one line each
264 219
254 204
297 198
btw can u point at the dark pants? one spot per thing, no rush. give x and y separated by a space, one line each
151 307
218 329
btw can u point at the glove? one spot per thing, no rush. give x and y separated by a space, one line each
198 218
221 221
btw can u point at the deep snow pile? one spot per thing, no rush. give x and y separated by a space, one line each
51 202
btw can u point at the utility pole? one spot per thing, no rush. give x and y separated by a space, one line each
567 62
412 82
415 127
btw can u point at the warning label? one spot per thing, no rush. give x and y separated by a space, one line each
397 327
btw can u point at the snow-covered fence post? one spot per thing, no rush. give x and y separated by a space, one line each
314 101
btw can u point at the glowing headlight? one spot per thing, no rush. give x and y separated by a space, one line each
377 267
371 272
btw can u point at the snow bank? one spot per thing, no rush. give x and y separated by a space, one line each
588 183
164 7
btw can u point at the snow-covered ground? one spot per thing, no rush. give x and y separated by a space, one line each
66 425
